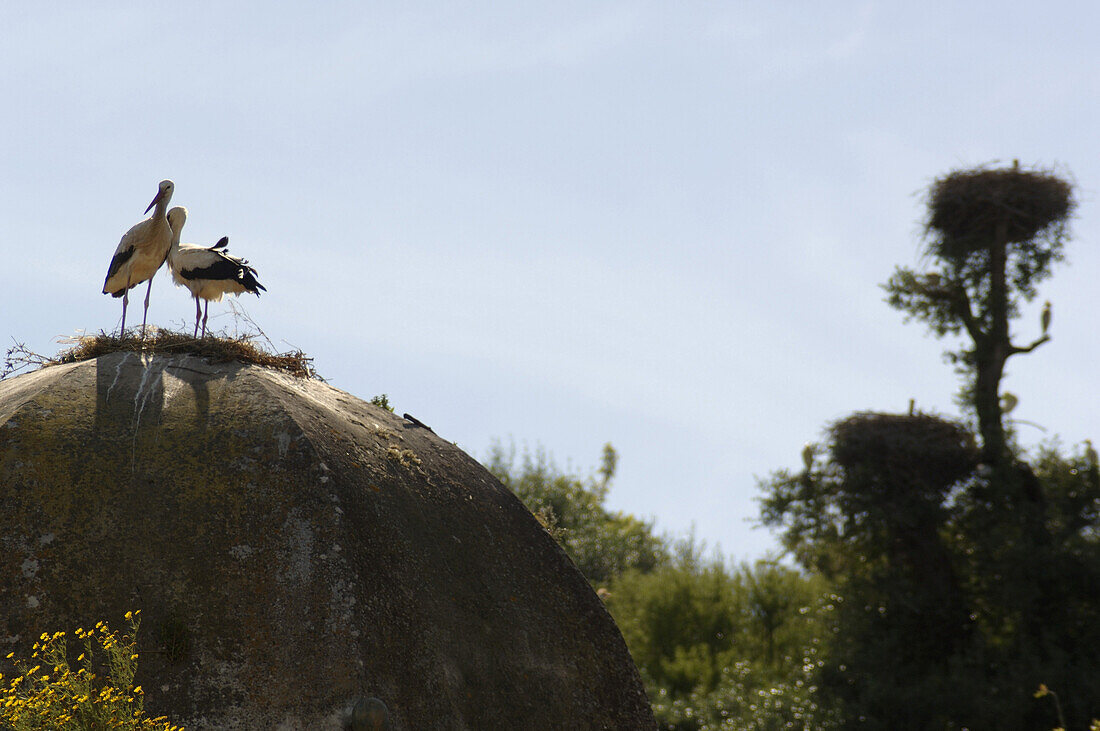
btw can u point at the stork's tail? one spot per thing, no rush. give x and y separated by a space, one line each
246 275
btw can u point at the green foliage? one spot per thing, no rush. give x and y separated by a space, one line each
722 648
602 543
744 699
718 647
47 694
947 602
383 401
681 621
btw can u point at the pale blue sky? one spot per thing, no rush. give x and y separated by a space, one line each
657 224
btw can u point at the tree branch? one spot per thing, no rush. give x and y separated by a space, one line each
1013 350
966 314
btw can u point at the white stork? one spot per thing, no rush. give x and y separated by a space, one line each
209 272
140 253
808 453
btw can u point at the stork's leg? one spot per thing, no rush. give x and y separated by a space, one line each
198 312
205 315
145 316
125 299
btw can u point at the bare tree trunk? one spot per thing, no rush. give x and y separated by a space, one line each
991 352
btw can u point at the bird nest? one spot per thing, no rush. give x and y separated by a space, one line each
218 348
938 450
968 209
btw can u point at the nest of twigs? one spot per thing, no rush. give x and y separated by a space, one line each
969 208
221 348
941 452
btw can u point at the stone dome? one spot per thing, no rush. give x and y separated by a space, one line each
293 550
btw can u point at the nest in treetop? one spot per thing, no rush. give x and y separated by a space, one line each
968 207
224 348
898 447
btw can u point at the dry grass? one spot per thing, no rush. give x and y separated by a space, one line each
219 348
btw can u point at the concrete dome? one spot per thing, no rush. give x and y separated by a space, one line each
292 549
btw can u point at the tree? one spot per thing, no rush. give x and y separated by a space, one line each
602 543
994 235
724 647
719 647
964 576
872 518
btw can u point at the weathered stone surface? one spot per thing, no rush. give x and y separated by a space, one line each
293 549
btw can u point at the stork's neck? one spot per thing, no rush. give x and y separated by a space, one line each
160 213
173 250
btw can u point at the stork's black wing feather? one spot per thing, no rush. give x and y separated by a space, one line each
227 267
116 263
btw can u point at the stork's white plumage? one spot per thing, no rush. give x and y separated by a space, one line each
140 253
208 271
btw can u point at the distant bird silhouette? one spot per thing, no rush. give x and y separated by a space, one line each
417 422
140 253
208 272
1045 317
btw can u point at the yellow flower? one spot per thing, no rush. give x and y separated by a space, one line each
129 615
137 689
1043 690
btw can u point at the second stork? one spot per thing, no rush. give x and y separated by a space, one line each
209 272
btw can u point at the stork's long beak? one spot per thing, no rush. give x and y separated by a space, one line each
155 199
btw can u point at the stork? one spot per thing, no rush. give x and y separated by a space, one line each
1044 319
808 453
209 272
140 253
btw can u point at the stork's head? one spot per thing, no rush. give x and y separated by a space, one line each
176 218
164 193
